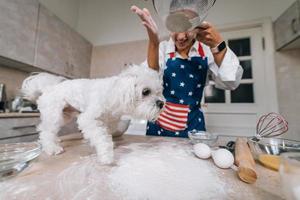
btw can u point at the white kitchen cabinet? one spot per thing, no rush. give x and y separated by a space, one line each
32 38
24 138
59 48
287 28
51 46
23 129
18 22
18 129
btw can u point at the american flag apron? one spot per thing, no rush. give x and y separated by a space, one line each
174 117
183 81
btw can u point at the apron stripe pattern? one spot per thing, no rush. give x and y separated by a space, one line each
174 117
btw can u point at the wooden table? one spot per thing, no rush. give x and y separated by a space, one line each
43 179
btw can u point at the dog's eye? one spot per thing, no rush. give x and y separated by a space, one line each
146 92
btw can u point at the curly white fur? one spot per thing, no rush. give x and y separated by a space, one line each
33 85
98 103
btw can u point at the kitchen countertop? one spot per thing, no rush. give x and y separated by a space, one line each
18 115
59 177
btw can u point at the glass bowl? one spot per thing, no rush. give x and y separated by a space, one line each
267 151
272 146
15 157
203 137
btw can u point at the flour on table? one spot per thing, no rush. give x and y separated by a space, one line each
157 171
165 172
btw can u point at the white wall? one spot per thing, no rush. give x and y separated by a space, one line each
108 22
67 10
288 83
231 11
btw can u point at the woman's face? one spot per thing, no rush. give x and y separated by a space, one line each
183 40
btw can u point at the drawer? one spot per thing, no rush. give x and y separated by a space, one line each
13 127
287 26
26 138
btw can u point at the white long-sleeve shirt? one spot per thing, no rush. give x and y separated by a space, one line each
227 76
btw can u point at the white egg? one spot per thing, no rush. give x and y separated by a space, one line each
202 150
223 158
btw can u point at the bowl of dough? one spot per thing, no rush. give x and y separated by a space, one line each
121 128
203 137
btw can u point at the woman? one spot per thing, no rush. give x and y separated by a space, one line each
185 61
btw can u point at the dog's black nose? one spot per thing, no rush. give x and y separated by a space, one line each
160 104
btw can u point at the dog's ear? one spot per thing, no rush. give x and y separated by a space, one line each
138 70
132 71
126 91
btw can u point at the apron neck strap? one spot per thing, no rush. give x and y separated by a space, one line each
172 55
200 51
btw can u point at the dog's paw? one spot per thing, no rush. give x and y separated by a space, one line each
58 140
53 149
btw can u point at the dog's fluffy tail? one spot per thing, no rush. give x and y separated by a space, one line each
33 86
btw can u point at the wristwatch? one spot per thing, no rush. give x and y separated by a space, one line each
220 47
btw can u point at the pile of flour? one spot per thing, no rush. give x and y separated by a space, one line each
165 172
157 171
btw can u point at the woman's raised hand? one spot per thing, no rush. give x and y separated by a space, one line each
148 22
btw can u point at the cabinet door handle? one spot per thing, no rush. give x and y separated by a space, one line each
21 127
294 26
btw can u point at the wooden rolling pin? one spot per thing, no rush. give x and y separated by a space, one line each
244 161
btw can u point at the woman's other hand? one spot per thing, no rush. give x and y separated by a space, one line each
208 35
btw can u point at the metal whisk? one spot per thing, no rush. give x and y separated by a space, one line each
271 125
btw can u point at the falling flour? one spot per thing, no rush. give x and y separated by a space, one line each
159 171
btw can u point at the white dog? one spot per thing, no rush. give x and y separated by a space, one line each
100 103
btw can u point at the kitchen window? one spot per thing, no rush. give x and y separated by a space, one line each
238 110
244 93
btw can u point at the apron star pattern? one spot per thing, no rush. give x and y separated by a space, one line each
184 81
